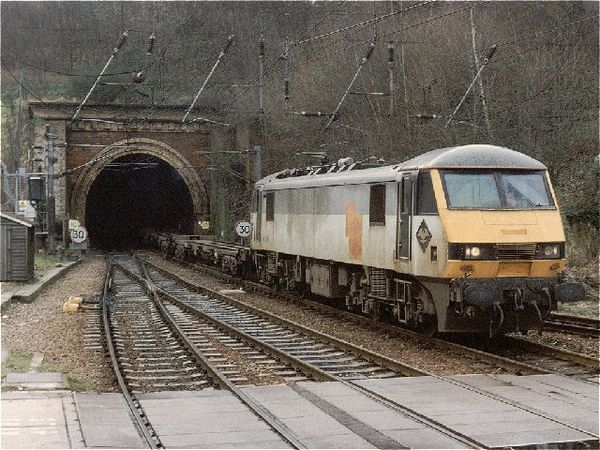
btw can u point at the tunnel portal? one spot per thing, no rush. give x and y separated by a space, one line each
134 194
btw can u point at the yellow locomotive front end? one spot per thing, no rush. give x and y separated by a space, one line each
505 247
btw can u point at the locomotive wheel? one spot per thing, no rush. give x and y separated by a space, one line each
429 326
376 312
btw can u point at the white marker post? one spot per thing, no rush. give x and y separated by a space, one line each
243 230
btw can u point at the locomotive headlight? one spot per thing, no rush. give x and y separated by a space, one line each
551 251
472 251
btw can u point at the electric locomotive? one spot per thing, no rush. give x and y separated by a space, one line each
459 239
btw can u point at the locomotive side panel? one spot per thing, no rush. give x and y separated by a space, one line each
333 223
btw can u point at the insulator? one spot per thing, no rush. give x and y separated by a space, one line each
391 52
428 116
228 44
150 44
122 40
312 113
370 52
286 89
491 52
139 77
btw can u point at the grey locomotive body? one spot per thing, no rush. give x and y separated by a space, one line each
391 240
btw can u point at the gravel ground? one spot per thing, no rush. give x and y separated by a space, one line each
419 353
578 344
42 327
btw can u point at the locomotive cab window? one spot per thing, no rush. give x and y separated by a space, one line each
496 190
425 197
377 205
270 208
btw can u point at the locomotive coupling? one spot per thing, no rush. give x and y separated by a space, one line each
484 293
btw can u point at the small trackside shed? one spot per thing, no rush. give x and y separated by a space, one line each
17 248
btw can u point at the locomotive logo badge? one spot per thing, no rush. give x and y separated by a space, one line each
423 235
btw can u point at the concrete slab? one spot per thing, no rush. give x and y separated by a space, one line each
567 400
386 419
401 428
495 416
207 419
258 444
181 395
492 422
423 438
37 381
552 385
322 415
348 440
313 426
532 438
333 415
106 422
218 422
193 407
236 439
41 420
318 425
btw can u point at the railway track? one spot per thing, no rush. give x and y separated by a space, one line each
150 355
242 364
547 357
322 357
332 357
148 336
515 355
567 323
235 313
144 427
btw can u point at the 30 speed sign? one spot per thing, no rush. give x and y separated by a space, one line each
78 235
243 229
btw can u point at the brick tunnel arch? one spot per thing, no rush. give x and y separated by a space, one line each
139 146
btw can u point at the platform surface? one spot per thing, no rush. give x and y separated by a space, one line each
516 411
40 419
331 415
27 291
106 421
489 410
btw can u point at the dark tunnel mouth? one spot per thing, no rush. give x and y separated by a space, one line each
135 194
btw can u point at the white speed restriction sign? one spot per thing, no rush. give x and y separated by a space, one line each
243 229
78 235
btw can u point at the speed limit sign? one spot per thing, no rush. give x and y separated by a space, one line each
78 235
243 229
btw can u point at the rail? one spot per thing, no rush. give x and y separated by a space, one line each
585 326
143 426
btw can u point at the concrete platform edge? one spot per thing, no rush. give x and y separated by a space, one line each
29 292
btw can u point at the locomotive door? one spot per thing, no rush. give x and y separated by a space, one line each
257 228
405 200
